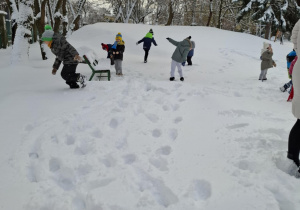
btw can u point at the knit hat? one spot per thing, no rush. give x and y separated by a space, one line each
47 35
265 47
151 31
104 46
119 36
48 27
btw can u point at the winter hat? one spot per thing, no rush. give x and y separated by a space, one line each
47 35
48 27
104 46
265 47
151 31
119 36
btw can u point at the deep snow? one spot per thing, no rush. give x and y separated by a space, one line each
216 141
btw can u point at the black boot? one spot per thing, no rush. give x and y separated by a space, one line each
181 79
172 78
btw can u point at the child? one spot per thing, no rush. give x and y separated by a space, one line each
65 53
266 60
118 49
107 47
190 55
148 39
289 59
179 55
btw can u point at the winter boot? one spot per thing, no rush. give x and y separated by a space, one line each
81 79
181 79
145 61
74 85
284 88
172 78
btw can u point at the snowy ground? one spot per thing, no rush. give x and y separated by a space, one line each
216 141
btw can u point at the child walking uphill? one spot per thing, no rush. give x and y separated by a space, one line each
179 56
65 53
118 49
148 39
266 60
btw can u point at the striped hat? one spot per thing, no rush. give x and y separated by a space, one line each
119 36
47 35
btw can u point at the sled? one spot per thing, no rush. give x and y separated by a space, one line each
102 73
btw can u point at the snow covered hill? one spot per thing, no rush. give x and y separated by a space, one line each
216 141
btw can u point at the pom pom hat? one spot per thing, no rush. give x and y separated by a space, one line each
47 35
119 36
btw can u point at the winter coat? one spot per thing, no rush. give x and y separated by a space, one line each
267 61
63 50
289 58
296 72
120 48
182 50
108 50
148 39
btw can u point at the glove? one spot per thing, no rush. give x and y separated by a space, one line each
137 43
54 71
77 58
168 38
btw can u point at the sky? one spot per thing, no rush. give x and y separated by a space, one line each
216 141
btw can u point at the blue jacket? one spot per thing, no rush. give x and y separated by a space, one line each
147 42
290 57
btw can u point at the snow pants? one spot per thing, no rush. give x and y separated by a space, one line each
189 60
294 143
146 54
118 66
263 74
69 74
175 64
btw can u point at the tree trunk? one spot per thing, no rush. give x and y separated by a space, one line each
57 16
220 14
171 14
210 13
267 31
40 23
50 14
65 20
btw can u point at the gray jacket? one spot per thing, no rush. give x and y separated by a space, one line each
63 50
182 50
267 61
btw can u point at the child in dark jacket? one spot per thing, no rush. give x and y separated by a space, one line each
118 49
107 47
148 39
65 53
190 55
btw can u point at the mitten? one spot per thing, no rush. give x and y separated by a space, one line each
168 38
54 71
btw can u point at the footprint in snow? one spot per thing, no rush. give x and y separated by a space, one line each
199 190
165 150
156 133
70 140
177 120
152 117
129 159
114 123
173 133
54 164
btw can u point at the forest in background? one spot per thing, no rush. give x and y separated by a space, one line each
27 18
